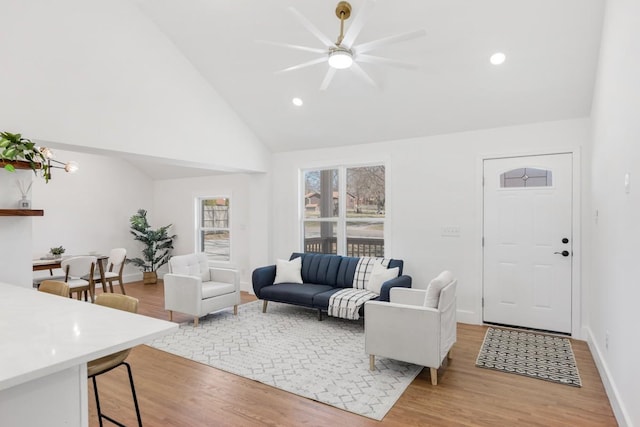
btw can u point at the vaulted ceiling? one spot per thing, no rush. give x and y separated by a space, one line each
551 48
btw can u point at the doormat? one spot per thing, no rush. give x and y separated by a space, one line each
545 357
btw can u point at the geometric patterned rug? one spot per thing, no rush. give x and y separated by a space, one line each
288 348
534 355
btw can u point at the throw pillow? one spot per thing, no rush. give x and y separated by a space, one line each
288 271
432 297
379 275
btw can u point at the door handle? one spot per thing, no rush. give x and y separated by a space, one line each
563 253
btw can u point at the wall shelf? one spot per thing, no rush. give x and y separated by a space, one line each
21 212
18 164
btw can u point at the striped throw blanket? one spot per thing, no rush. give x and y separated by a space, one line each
346 303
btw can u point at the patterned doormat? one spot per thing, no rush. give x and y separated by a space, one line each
545 357
288 348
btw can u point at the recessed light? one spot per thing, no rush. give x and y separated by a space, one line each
297 102
497 58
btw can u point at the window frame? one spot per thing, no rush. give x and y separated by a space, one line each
199 229
341 220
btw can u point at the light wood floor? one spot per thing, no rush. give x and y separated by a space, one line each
174 391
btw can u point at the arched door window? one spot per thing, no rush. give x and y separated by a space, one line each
526 177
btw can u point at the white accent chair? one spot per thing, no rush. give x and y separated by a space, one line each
192 287
407 330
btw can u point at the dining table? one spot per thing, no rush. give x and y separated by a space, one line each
50 264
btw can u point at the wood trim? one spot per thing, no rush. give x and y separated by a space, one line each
21 212
18 164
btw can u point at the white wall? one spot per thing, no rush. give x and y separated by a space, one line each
99 74
614 292
174 203
90 210
432 182
15 232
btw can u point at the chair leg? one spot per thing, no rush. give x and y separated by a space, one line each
170 316
264 306
235 310
122 287
434 376
110 285
195 321
95 392
319 315
372 362
133 393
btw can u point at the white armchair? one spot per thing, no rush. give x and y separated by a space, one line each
192 287
407 330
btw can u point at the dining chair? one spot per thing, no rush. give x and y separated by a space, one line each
77 267
113 271
54 287
112 361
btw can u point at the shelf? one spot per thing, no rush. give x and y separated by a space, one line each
18 164
21 212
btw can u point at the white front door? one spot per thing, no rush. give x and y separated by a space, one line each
528 242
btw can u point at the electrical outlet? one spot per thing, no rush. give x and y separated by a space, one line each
606 340
450 231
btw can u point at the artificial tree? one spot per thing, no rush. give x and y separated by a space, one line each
157 246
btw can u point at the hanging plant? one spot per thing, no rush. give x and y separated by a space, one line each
13 147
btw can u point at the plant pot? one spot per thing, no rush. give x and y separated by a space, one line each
149 277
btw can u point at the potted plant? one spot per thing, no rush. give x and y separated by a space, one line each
14 148
57 252
157 246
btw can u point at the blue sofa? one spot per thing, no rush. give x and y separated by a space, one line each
322 276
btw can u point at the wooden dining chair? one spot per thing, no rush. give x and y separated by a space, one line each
54 287
76 267
113 272
112 361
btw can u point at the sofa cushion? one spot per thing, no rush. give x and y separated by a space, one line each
301 294
288 271
379 275
321 269
432 296
215 289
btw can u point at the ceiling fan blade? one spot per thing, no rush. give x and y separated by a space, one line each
312 28
359 71
366 47
327 78
357 24
380 60
303 65
293 46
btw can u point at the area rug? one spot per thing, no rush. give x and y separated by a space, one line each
545 357
288 348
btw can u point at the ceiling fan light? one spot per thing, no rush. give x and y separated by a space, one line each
340 59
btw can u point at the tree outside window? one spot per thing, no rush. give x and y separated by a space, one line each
213 231
345 219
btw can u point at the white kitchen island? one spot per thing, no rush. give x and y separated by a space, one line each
45 344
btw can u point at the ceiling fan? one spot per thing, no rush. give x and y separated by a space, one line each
343 54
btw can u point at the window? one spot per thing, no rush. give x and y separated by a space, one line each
344 211
526 177
213 231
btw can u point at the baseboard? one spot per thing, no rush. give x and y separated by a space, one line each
466 316
132 277
247 287
619 410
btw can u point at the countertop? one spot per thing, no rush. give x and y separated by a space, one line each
41 334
